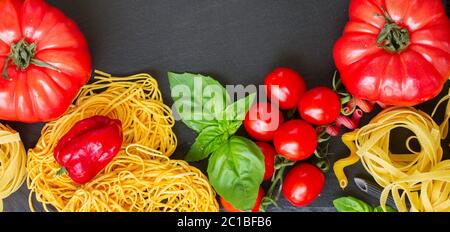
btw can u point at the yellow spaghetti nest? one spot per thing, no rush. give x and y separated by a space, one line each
141 177
418 181
12 162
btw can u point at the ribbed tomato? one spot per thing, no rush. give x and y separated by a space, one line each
44 58
396 52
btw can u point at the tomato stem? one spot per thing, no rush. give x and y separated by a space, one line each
22 55
5 69
61 171
322 158
345 110
290 114
345 97
273 195
323 136
336 82
323 165
392 37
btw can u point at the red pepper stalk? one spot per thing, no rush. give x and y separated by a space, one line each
88 147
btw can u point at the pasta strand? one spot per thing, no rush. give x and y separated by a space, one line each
419 179
141 177
12 162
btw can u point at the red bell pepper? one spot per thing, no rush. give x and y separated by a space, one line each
88 147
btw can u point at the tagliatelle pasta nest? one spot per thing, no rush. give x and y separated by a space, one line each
141 177
418 181
12 162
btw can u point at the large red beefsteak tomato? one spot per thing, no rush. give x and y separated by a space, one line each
44 60
396 52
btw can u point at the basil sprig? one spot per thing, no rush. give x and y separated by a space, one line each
207 141
353 204
236 166
236 171
198 99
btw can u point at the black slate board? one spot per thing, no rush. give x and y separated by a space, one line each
237 42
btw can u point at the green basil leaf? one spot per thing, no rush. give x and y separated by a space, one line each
235 113
209 140
198 99
351 204
389 209
236 171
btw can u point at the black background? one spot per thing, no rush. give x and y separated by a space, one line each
235 41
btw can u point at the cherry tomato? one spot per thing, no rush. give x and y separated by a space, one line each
262 120
269 159
303 184
295 140
320 106
285 87
229 208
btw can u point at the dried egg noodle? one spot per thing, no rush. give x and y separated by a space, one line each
419 181
141 177
12 162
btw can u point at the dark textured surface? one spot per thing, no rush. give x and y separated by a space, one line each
236 41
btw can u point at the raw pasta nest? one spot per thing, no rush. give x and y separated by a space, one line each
141 177
12 162
417 181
